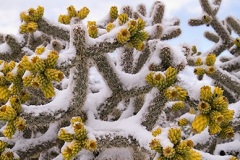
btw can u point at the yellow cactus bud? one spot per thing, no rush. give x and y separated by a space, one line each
210 70
14 89
64 135
194 49
27 80
39 12
32 27
24 17
2 79
38 64
54 75
155 145
174 135
39 81
122 18
140 24
184 147
25 63
204 107
156 132
198 62
123 36
9 130
206 93
91 145
48 90
4 93
109 27
217 92
210 59
80 131
132 27
8 67
20 124
207 19
76 119
72 11
24 96
82 13
3 145
15 103
233 158
23 28
227 114
91 23
169 152
8 155
183 122
199 71
142 35
157 80
51 60
7 113
192 110
113 12
11 77
178 105
193 155
237 42
39 50
214 128
171 75
71 150
227 132
220 103
140 46
93 31
216 117
64 19
200 123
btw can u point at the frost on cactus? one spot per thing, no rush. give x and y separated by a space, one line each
148 100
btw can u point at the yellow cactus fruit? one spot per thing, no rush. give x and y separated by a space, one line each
39 12
156 132
109 27
140 46
26 63
206 93
122 18
51 60
227 132
204 107
132 27
20 124
218 92
80 131
91 145
27 80
198 62
227 114
39 50
14 89
237 42
171 75
15 103
76 119
184 147
91 23
8 67
93 31
193 155
233 158
7 155
214 128
182 93
7 113
123 36
71 150
72 11
23 28
200 123
24 17
171 93
9 130
48 90
210 70
207 19
199 71
11 77
113 12
183 122
54 75
4 93
32 27
82 13
64 19
155 145
210 59
216 117
174 135
141 35
140 24
38 64
39 81
220 103
24 96
3 145
169 152
178 105
65 136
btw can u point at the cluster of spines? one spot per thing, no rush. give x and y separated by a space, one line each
180 150
76 139
214 113
206 67
30 19
72 12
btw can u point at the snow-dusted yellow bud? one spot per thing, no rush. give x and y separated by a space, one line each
171 75
32 27
183 122
132 27
140 24
214 128
3 145
206 93
113 12
122 18
174 135
24 17
142 35
15 103
91 23
7 155
2 79
155 145
51 60
7 113
76 119
198 62
140 46
220 103
216 117
178 105
39 12
24 96
20 124
27 80
26 63
171 93
156 131
39 50
237 42
64 135
80 131
200 123
218 92
184 147
9 130
227 114
71 150
109 27
64 19
199 71
210 59
227 132
82 13
4 93
39 81
72 11
54 75
169 152
123 36
157 80
93 31
210 70
15 89
8 67
48 90
204 107
193 155
207 19
91 145
38 64
23 28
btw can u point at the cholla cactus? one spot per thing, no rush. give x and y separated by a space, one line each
130 101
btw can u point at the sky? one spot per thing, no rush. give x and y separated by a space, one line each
182 9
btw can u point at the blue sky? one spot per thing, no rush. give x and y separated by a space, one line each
183 9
